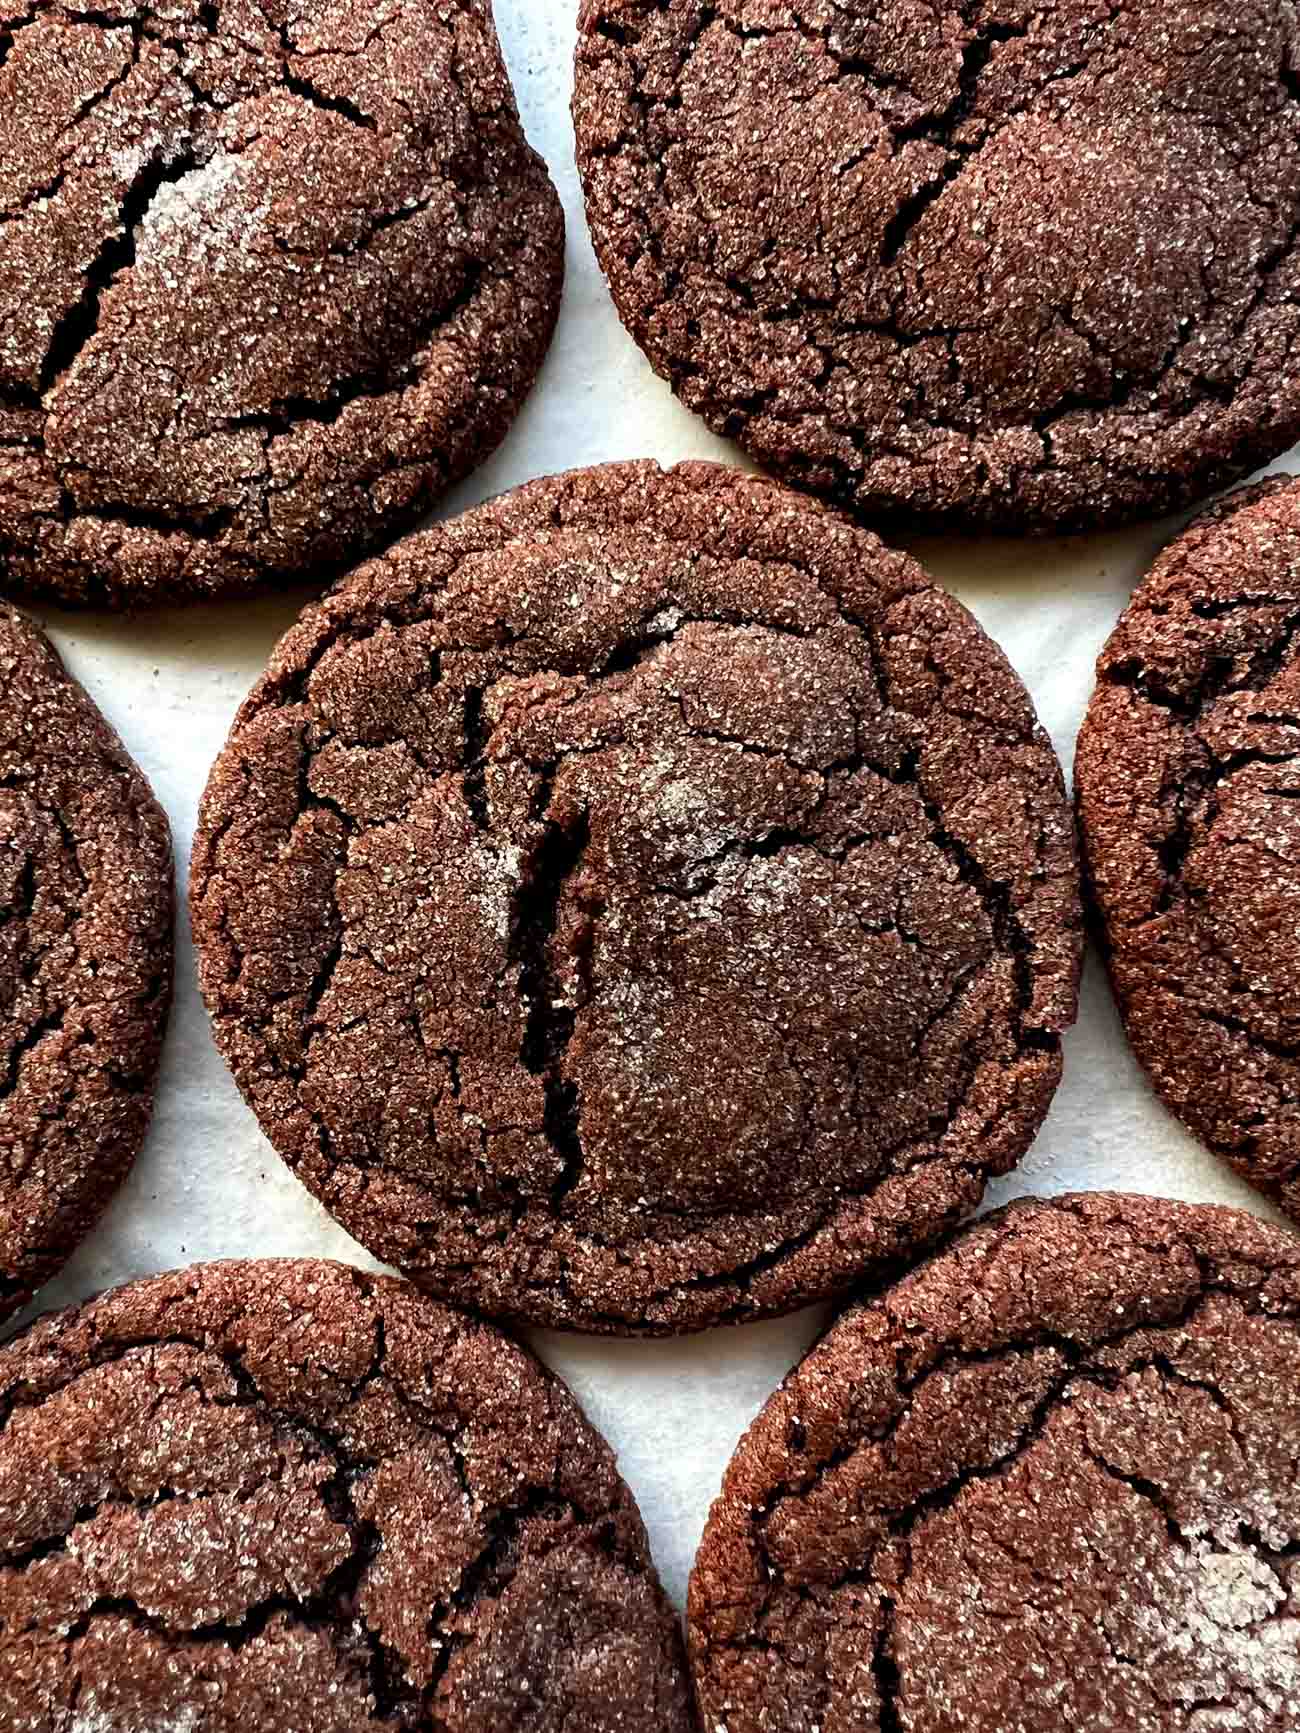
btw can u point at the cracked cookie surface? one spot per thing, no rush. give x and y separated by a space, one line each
1188 783
286 1494
86 903
271 280
642 902
1050 1479
1021 264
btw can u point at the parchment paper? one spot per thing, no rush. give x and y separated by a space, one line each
208 1184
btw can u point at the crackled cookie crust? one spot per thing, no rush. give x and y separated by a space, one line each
1188 775
642 902
1002 263
269 282
245 1498
86 903
1052 1479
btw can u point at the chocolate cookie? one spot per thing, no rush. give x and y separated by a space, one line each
1188 779
1026 264
643 902
245 1498
270 281
86 906
1051 1479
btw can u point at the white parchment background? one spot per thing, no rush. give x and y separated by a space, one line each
208 1184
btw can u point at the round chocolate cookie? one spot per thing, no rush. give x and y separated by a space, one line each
643 902
1021 264
1188 779
247 1498
270 282
86 903
1050 1480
